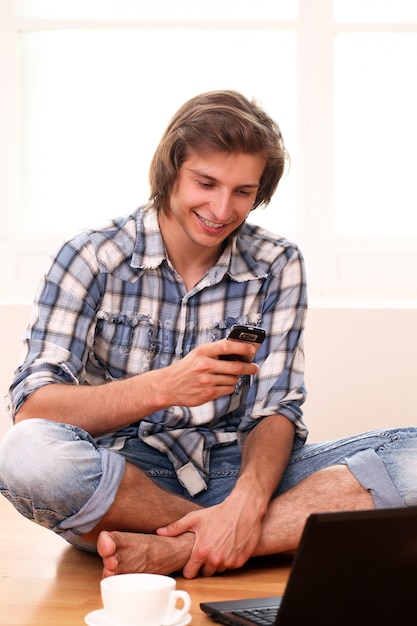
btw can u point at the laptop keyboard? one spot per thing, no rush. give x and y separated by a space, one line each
263 617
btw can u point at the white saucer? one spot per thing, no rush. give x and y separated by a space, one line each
99 618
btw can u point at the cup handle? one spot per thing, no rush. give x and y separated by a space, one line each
175 617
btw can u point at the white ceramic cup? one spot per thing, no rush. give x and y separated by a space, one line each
143 600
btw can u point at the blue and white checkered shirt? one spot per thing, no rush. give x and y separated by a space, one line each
112 305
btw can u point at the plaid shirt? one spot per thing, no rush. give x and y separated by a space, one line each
112 306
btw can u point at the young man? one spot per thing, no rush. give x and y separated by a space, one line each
133 435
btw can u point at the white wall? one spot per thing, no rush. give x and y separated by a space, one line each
361 367
13 321
361 370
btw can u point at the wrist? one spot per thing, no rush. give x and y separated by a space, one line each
140 395
249 488
156 390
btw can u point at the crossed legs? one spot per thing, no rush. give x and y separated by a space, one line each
330 489
124 506
372 469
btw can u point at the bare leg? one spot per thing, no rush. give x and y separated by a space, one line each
331 489
141 506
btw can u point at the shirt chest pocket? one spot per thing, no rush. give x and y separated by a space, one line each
124 344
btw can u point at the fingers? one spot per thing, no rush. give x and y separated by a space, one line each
205 559
232 358
202 561
173 530
225 349
200 558
192 568
210 563
202 376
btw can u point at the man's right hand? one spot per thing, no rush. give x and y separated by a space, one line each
203 375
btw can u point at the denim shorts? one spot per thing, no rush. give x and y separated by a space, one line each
57 476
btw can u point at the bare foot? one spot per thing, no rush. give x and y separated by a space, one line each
124 553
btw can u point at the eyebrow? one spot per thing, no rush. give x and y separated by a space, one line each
216 180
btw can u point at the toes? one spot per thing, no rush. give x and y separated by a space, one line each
106 572
105 544
107 549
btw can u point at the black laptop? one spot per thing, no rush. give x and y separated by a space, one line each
355 568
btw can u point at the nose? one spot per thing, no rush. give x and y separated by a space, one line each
222 205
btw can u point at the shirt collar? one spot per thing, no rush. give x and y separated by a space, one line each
149 249
243 266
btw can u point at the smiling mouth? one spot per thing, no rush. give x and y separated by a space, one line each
210 224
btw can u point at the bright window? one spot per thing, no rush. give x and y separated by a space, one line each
375 134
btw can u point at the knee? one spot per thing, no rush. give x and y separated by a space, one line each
19 449
30 453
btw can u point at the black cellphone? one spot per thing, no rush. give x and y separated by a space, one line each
251 334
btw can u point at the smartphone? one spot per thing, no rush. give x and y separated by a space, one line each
251 334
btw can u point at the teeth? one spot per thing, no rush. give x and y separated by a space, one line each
210 224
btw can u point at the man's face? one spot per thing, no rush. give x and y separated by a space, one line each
212 196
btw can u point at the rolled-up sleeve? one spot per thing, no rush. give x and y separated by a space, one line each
279 387
57 339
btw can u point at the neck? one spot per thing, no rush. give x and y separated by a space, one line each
191 267
190 261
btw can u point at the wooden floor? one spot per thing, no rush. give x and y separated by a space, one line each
46 582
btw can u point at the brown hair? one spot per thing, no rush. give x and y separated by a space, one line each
223 121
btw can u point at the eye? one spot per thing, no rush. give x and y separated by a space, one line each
244 192
205 184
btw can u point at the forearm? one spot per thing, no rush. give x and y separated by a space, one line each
265 455
98 409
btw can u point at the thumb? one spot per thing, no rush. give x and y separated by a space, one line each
174 529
